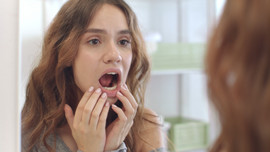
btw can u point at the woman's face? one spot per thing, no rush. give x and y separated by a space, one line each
105 54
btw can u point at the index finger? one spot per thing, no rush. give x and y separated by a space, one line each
81 105
124 90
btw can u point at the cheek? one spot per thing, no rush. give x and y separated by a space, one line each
82 70
127 64
78 77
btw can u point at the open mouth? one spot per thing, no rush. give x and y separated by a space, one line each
109 81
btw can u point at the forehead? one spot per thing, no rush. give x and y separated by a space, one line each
109 17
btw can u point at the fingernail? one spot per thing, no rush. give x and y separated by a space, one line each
107 104
114 106
98 90
103 95
120 93
91 89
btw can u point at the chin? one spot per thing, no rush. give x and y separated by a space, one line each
112 100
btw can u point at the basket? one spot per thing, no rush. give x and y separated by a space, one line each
187 134
171 56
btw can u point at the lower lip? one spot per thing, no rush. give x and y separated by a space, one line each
111 93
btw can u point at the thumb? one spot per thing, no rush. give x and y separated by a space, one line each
69 115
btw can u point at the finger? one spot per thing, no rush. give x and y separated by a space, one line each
69 115
95 116
90 106
103 116
81 105
129 110
121 115
124 90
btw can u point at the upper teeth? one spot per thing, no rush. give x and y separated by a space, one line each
112 73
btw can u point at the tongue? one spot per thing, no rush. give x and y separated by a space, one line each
106 80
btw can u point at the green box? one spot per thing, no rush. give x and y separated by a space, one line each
171 56
188 134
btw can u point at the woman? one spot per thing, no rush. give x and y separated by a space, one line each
87 92
238 69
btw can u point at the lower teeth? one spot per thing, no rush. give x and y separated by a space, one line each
110 88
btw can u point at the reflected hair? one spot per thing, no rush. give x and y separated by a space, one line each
238 70
51 84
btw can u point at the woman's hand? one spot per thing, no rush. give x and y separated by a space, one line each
88 124
118 129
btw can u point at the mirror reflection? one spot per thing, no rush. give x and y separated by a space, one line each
175 34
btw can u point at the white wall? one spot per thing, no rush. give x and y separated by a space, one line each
35 17
9 42
31 27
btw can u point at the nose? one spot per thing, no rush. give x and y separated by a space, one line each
112 54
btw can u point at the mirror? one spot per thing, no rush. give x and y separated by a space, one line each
167 26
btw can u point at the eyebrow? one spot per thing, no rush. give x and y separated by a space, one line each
101 31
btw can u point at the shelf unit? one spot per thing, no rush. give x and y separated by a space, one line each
171 28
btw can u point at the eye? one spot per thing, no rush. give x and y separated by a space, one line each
94 42
124 42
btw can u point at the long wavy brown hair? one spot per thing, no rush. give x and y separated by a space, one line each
238 70
51 84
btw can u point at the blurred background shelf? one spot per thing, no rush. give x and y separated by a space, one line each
177 58
175 71
176 33
187 134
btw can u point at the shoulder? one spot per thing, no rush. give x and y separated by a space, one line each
151 118
150 135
